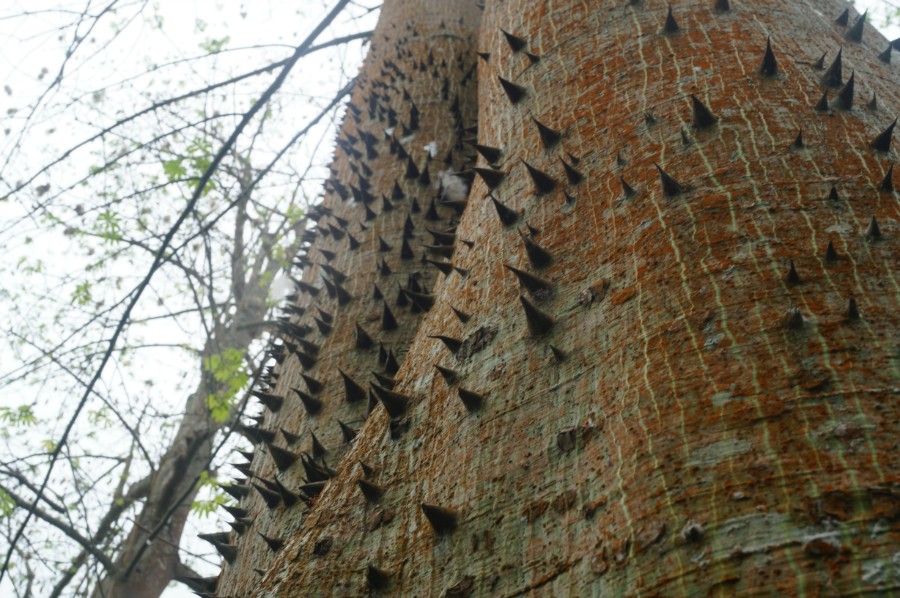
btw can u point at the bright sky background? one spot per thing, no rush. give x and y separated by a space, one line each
34 44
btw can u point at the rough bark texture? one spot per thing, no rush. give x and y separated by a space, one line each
703 416
417 86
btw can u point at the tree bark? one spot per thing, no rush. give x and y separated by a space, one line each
681 399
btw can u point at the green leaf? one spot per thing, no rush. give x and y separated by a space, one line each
82 294
174 169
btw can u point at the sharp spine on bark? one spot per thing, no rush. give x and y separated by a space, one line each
491 154
538 322
882 143
514 92
627 190
543 182
406 252
283 458
572 174
558 354
367 469
323 326
274 544
215 538
372 492
271 402
442 519
313 488
534 284
453 344
347 432
472 400
378 579
272 499
388 321
363 340
537 255
450 376
391 365
844 99
722 6
852 310
394 403
792 277
549 137
382 245
288 436
312 405
353 391
288 497
769 66
461 315
798 140
228 551
354 244
445 267
670 26
670 186
515 42
423 301
855 33
485 56
794 319
238 491
685 140
885 56
830 253
376 293
318 449
491 177
701 116
384 269
833 77
412 172
887 183
873 232
843 18
533 58
507 216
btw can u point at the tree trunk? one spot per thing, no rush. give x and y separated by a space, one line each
688 385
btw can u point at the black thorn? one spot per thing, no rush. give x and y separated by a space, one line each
833 194
406 252
461 315
353 391
378 579
514 92
852 310
833 77
844 99
289 437
283 458
670 26
432 213
843 18
793 319
573 175
685 139
423 301
820 63
515 42
453 344
347 432
382 245
215 538
274 544
394 403
491 154
323 326
549 137
887 184
769 66
445 267
543 182
485 56
363 340
558 354
885 56
384 269
627 190
318 449
537 255
312 405
442 519
701 115
472 400
270 497
882 143
412 172
449 375
367 469
388 321
376 292
385 381
670 186
798 140
391 365
371 491
507 216
238 491
538 321
228 551
792 276
271 402
722 6
491 177
354 244
855 33
830 253
534 284
313 488
873 232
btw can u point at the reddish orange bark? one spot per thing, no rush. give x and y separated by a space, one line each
704 416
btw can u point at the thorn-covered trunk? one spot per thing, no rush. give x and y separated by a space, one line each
669 367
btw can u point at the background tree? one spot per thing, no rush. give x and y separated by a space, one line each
167 182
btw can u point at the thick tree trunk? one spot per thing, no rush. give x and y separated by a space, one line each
680 397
